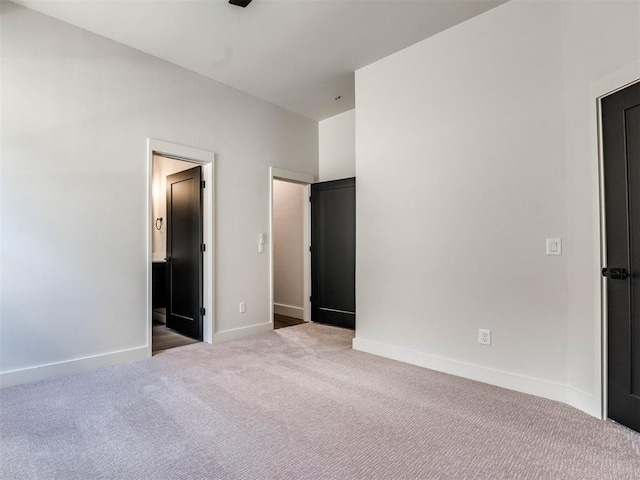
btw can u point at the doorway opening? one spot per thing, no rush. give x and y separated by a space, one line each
290 258
289 203
180 246
167 173
328 247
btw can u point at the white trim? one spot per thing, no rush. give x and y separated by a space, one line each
291 176
602 87
304 179
242 332
583 401
207 160
500 378
306 240
208 285
288 310
69 367
181 152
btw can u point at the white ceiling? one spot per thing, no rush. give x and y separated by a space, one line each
299 54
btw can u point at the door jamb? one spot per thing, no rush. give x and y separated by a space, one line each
607 85
306 180
206 159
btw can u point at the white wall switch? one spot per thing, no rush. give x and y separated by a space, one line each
554 246
484 337
243 307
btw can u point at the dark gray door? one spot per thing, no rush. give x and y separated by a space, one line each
333 252
184 252
621 148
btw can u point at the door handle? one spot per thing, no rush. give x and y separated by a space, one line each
615 273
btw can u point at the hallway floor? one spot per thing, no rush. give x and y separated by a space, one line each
164 338
281 321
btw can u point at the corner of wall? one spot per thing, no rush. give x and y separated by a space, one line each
337 146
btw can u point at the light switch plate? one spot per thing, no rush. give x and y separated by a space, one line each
554 246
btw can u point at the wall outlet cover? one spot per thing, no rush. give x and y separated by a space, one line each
484 337
554 246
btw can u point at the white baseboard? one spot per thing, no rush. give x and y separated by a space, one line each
583 401
42 372
500 378
242 332
288 310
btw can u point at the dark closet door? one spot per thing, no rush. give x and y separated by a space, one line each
333 252
184 252
621 148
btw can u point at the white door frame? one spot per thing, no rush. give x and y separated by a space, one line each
206 159
306 180
607 85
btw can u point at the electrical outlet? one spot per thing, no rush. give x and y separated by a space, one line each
484 337
243 307
554 246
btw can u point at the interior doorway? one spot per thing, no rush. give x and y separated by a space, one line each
180 246
176 250
328 248
290 258
289 203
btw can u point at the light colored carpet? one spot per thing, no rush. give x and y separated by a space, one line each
296 404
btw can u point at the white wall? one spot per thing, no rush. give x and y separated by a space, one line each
288 248
77 110
472 147
162 166
337 146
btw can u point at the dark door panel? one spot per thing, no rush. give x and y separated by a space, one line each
333 253
621 148
184 255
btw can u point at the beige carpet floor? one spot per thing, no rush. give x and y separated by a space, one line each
297 403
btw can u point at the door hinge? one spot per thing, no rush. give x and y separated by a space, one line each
202 311
309 199
310 299
202 184
203 247
309 247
